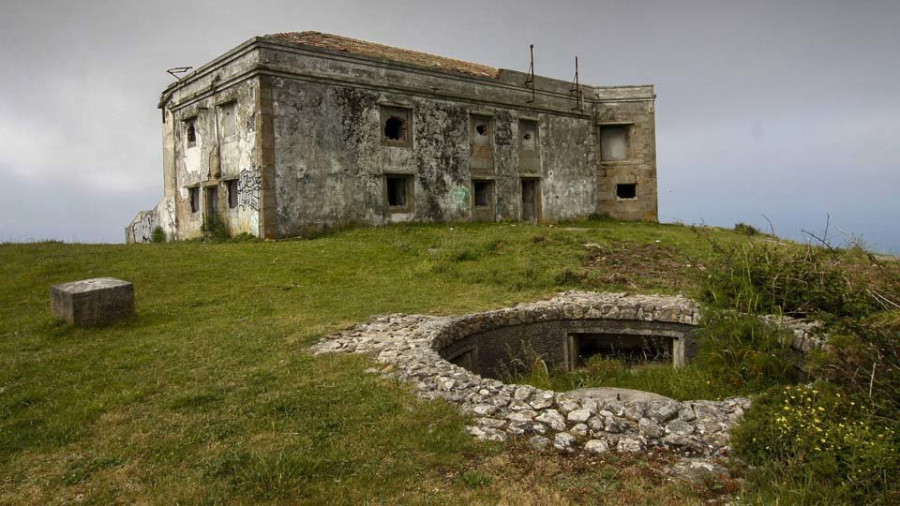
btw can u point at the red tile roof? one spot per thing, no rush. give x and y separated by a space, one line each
372 50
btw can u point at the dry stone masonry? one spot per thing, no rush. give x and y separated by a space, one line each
408 347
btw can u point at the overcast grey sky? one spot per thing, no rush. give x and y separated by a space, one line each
783 108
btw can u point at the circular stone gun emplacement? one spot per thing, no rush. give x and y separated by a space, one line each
459 358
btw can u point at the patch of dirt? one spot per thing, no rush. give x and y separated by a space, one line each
639 265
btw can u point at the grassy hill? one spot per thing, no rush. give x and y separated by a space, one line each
209 396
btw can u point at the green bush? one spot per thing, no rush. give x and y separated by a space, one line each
761 277
158 235
863 358
745 229
744 351
815 434
214 229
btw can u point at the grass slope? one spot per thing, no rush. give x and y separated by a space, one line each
209 397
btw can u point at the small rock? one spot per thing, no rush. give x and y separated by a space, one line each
697 470
552 418
650 429
540 443
596 447
630 445
564 442
579 415
580 431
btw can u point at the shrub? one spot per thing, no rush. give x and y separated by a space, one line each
745 229
819 435
760 277
214 229
744 351
863 358
158 235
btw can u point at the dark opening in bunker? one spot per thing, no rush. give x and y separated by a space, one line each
628 348
482 129
626 191
397 188
567 344
395 129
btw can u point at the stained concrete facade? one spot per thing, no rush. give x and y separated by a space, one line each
296 133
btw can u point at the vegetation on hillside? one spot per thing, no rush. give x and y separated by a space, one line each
209 396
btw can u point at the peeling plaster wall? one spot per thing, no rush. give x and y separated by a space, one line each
331 161
308 150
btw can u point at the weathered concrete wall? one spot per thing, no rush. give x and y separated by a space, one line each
639 167
331 159
299 133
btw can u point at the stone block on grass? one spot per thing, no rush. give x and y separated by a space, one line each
92 302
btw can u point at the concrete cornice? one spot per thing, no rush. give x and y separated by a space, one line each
592 94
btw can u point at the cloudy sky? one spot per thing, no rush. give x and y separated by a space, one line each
788 109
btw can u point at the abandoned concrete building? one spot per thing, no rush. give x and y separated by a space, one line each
294 133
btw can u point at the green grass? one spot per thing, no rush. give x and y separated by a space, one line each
209 396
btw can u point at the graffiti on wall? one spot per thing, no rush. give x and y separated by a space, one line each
248 189
142 229
460 197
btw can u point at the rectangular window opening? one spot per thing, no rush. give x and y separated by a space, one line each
190 132
483 191
626 191
212 199
232 187
194 197
399 192
630 349
396 126
614 145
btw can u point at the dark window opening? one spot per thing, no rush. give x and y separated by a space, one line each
194 196
395 129
630 349
397 188
232 188
191 134
212 199
482 129
527 136
482 193
626 191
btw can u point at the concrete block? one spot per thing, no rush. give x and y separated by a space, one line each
91 302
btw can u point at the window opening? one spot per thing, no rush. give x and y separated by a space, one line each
397 187
614 143
395 129
212 199
630 349
232 188
482 193
626 191
194 197
191 134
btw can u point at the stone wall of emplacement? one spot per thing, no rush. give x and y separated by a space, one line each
459 358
